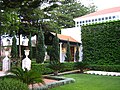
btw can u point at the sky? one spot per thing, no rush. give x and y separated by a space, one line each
103 4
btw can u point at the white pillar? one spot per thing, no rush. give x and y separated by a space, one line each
61 52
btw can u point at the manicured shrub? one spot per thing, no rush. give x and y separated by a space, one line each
68 57
101 43
40 48
81 66
43 68
55 66
110 68
12 84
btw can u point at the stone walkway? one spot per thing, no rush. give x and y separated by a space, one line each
103 73
46 81
2 73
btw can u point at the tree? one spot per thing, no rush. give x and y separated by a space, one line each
14 51
40 47
30 46
81 66
68 57
65 14
55 49
77 54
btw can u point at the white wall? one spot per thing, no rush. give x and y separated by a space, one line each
74 32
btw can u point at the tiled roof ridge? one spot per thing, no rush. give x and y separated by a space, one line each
65 37
101 12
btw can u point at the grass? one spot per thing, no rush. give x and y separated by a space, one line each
91 82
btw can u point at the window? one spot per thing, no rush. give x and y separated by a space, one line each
95 19
77 22
113 17
92 20
86 21
89 20
109 17
80 22
99 19
83 21
106 18
102 18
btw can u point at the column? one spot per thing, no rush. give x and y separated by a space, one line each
61 52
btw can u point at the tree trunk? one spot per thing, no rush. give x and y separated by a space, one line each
56 73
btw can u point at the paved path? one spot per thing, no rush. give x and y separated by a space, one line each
103 73
2 73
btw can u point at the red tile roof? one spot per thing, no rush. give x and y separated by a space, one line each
101 12
65 38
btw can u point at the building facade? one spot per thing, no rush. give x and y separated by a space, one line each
102 16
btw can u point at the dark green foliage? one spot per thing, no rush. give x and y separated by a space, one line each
77 54
12 84
27 77
101 43
30 47
55 49
81 66
109 68
43 68
14 51
69 10
68 57
55 66
40 48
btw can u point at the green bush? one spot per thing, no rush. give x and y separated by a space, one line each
81 66
68 66
101 43
12 84
110 68
43 68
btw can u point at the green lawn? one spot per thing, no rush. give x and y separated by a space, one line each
91 82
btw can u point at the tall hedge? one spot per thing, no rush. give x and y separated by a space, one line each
30 46
14 51
68 57
55 49
101 43
40 53
12 84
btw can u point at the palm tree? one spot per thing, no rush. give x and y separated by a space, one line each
81 66
28 77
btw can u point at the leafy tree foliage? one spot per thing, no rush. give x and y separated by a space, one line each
55 49
27 77
30 46
14 51
77 54
40 47
68 57
65 14
101 43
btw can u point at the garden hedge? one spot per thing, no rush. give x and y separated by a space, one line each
43 68
101 43
109 68
12 84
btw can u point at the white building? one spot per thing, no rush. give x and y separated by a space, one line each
102 16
